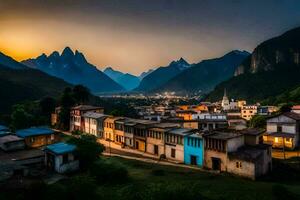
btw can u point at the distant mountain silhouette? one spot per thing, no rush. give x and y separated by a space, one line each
205 75
74 68
9 62
161 75
127 81
144 74
20 83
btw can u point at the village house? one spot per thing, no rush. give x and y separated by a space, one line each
212 122
128 132
61 157
109 127
296 109
250 161
283 130
186 114
155 138
193 148
38 136
119 132
94 123
217 146
247 112
197 108
266 110
236 122
241 153
140 130
11 143
174 140
55 115
76 116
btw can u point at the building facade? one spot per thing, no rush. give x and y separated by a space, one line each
76 116
193 149
283 130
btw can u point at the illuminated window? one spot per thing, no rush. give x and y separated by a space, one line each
276 139
238 165
288 140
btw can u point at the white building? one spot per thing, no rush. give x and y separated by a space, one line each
61 157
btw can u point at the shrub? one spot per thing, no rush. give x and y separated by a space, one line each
109 172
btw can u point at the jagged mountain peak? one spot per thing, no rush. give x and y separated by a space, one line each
67 52
107 69
79 57
54 54
74 68
181 61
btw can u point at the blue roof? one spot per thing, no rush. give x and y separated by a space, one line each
34 132
61 148
3 128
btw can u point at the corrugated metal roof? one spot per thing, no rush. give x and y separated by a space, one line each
10 138
61 148
34 132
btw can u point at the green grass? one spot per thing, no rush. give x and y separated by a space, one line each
209 186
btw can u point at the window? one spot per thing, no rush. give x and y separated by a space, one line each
288 140
279 128
276 140
32 139
173 153
239 165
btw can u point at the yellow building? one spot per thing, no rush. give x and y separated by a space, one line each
241 103
185 114
247 112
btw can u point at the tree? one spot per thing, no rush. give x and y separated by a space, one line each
67 100
258 121
20 118
285 107
81 94
88 148
47 105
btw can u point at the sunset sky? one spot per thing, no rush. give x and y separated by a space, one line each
136 35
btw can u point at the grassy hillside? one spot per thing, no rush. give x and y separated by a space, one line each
259 86
26 84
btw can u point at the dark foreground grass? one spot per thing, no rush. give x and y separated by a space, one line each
161 182
145 181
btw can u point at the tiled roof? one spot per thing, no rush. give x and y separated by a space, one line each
222 135
292 115
61 148
34 132
94 115
296 107
86 107
181 131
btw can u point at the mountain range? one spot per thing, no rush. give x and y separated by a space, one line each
205 75
126 80
20 83
161 75
75 69
271 70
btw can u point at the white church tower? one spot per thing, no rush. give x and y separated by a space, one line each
225 101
